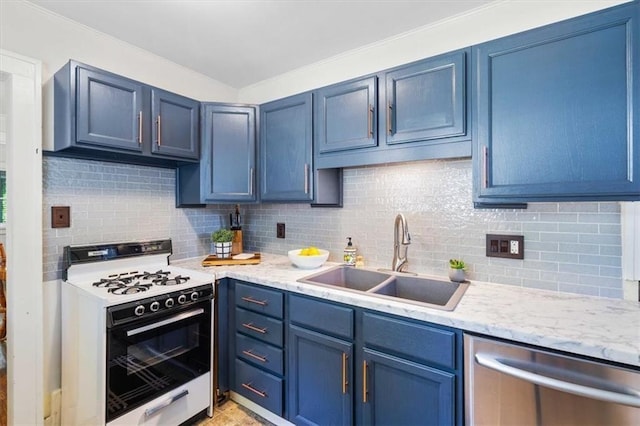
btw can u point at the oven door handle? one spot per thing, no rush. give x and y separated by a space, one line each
167 321
167 402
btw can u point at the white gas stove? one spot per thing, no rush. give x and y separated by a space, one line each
137 336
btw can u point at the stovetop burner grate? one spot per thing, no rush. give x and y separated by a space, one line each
129 289
178 279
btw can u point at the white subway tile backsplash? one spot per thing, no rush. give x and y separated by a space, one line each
572 247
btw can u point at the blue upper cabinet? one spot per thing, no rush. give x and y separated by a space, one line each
109 111
175 125
345 115
103 116
286 149
557 111
426 100
418 111
228 161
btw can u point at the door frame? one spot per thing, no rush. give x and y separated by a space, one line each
24 239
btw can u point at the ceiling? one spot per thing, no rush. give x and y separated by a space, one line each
243 42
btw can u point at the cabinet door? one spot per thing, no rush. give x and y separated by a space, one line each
426 100
228 153
400 392
286 149
344 115
109 111
555 111
320 379
174 130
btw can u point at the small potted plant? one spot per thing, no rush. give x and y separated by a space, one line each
456 270
222 239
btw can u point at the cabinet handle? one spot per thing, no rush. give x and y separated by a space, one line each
370 121
158 128
345 382
248 386
257 302
485 166
255 356
306 178
139 127
364 381
250 326
251 176
389 116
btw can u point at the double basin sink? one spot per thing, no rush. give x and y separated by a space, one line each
432 293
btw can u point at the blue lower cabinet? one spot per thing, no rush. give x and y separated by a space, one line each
401 392
320 384
259 386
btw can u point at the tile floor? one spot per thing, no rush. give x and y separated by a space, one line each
232 414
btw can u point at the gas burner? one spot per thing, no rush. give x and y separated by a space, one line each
178 279
129 289
113 282
154 275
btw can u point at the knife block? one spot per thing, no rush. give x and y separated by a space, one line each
236 243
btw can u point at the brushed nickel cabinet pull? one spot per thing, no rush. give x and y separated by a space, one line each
364 381
255 356
248 386
159 127
345 382
306 178
139 127
370 121
257 302
485 166
389 116
250 326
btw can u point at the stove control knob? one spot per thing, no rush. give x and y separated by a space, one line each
194 296
168 303
182 298
139 310
154 306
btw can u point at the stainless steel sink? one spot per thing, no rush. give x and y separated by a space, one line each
348 277
444 295
423 291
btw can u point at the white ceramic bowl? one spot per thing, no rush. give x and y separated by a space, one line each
308 262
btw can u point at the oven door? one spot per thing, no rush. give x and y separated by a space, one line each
146 359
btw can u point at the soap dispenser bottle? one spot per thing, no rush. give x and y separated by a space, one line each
349 254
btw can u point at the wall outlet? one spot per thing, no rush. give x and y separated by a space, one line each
60 216
509 246
280 230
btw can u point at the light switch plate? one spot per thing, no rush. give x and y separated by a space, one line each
508 246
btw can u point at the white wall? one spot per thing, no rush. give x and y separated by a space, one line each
487 23
35 32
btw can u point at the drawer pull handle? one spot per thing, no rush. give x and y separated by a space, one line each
345 382
306 178
370 121
364 381
255 356
250 326
389 118
257 302
254 390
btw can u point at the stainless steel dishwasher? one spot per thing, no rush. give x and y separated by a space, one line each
509 384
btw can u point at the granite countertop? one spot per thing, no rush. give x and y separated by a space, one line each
602 328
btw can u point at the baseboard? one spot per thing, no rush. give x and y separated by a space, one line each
266 414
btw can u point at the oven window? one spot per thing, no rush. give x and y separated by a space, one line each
146 360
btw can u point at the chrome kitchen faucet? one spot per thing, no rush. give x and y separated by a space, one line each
400 241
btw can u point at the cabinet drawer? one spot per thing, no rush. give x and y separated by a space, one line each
257 299
259 326
416 341
260 353
337 320
260 387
